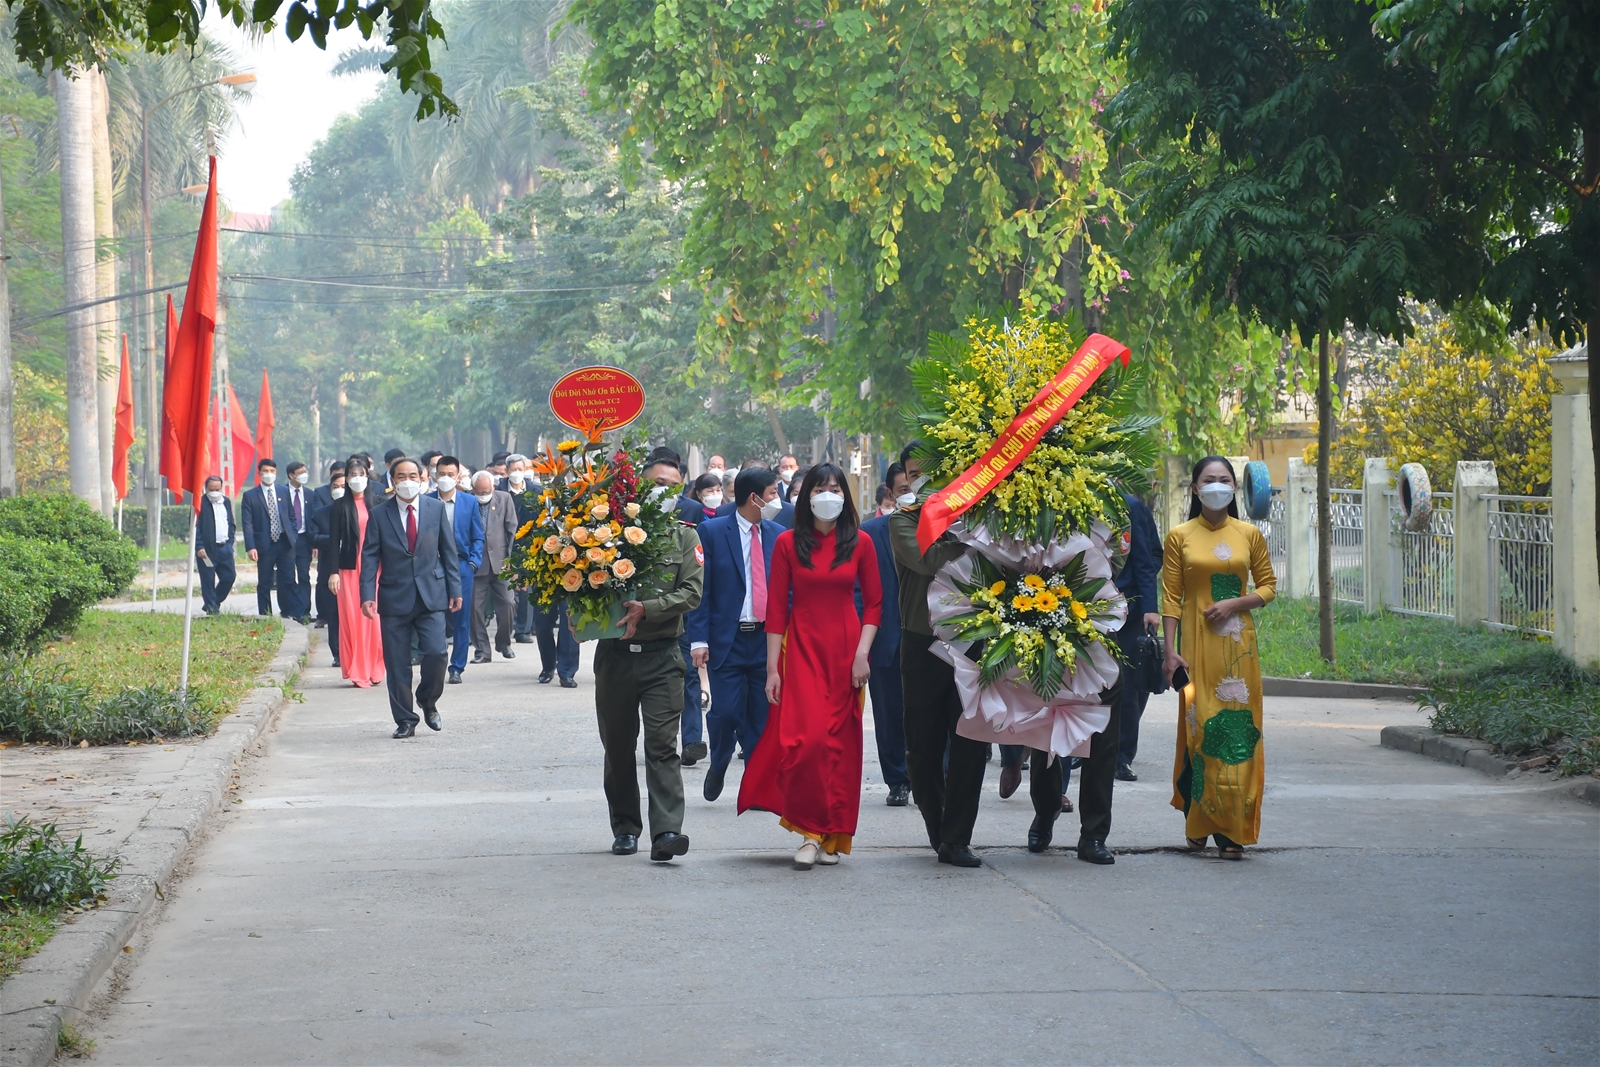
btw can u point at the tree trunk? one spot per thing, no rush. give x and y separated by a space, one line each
106 319
8 440
75 137
777 430
1324 499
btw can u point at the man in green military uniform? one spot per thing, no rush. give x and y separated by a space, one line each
639 676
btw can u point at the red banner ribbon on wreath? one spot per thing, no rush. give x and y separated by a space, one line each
1021 437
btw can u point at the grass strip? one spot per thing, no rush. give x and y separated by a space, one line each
23 932
1386 647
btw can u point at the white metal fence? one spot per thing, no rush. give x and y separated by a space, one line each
1349 568
1275 528
1422 568
1521 556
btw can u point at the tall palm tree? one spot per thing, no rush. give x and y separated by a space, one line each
105 288
74 96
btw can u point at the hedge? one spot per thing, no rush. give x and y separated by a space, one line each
39 702
57 558
174 522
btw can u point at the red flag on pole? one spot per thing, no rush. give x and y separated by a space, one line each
243 443
187 399
122 439
171 453
265 423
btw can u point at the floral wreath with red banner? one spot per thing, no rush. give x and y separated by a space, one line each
1030 437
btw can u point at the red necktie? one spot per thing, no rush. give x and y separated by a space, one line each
411 528
758 576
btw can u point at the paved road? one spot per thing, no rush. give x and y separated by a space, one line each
451 900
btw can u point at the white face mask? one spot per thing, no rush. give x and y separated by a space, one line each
785 476
407 490
714 470
827 506
302 478
1216 495
712 500
357 483
268 477
906 500
771 508
338 492
659 493
447 484
215 496
484 498
517 477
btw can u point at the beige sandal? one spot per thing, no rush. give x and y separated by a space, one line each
1196 844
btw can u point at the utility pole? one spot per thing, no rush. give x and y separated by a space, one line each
224 408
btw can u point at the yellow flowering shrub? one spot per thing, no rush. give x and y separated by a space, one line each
1443 400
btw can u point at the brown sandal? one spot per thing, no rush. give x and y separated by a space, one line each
1231 852
1196 844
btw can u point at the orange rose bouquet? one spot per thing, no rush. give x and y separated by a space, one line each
595 535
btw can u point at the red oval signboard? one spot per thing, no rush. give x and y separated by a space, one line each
612 396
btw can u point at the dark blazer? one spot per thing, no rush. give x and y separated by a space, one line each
785 517
343 530
206 536
253 518
693 512
886 645
716 621
317 522
469 530
1139 574
432 574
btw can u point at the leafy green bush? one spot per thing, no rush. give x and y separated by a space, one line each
174 523
39 702
38 868
1539 703
65 518
45 586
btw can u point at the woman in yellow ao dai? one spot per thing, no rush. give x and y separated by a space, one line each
1220 769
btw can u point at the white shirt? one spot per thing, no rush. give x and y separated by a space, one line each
297 495
219 518
747 610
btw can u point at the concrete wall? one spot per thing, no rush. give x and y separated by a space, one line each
1577 577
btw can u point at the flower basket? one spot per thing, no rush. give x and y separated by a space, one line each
1030 447
596 537
591 628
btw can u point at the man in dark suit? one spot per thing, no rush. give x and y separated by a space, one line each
213 547
784 516
466 519
888 698
727 631
300 508
269 540
490 592
413 544
327 560
326 603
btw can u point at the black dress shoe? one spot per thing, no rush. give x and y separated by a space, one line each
1039 834
665 846
482 657
899 796
959 856
546 677
403 732
431 717
336 661
455 676
1095 852
1125 773
694 753
522 639
712 788
625 845
569 683
506 653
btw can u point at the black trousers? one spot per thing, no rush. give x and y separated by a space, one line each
275 568
302 578
1044 785
327 603
947 796
216 581
427 628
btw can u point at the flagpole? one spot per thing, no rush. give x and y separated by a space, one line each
188 600
155 569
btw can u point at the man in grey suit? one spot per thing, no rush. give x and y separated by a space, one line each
410 539
499 532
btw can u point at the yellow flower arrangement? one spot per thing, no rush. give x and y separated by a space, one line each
997 588
525 529
552 545
1032 581
569 446
972 389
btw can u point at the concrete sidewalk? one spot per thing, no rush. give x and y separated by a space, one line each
452 899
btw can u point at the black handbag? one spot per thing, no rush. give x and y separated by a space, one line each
1148 661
